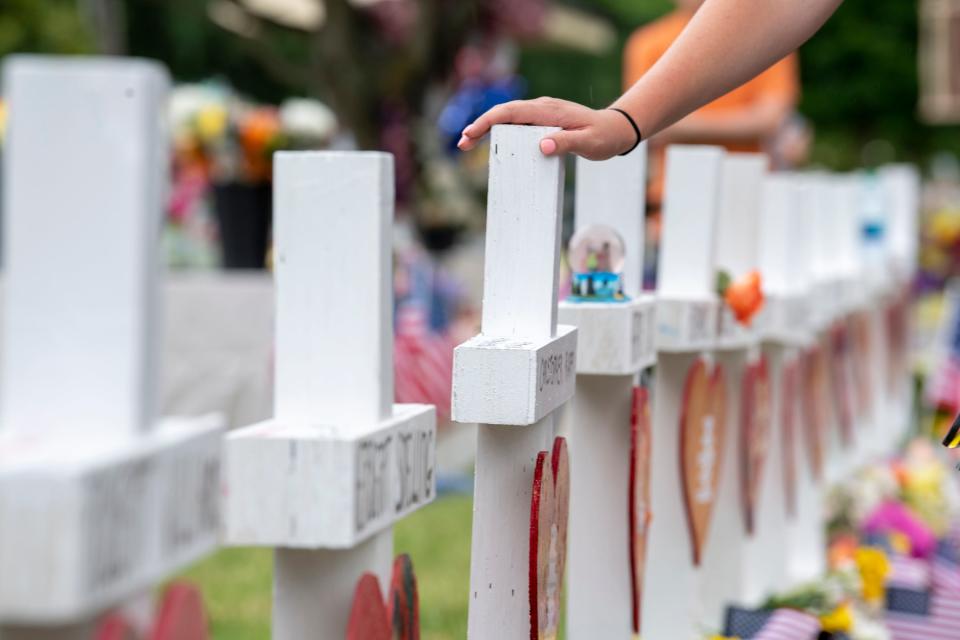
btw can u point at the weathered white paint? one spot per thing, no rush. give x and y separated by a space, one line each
515 381
690 205
97 502
80 308
339 463
673 604
89 522
901 183
613 338
686 302
319 486
599 596
615 341
519 303
784 255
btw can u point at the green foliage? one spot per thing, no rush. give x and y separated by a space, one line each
42 26
237 583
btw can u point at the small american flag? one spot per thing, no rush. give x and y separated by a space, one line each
945 573
781 624
909 573
423 360
922 615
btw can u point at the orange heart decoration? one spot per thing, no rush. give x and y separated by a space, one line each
755 425
860 345
639 495
840 380
702 433
815 407
397 619
549 511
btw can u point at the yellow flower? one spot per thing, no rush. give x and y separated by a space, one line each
719 637
211 122
874 568
3 120
900 543
840 619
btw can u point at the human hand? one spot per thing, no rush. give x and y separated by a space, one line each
595 134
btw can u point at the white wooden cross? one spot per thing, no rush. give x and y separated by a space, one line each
794 515
97 501
326 478
686 326
730 569
614 342
511 378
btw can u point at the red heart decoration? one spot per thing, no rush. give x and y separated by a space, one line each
815 407
840 380
755 425
788 412
860 351
114 627
549 511
396 619
181 615
639 496
896 332
702 433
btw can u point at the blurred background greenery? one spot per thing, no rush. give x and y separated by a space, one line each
859 73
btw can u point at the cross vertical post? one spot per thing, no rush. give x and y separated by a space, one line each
614 343
99 500
325 479
512 377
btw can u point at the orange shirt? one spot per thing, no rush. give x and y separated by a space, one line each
648 43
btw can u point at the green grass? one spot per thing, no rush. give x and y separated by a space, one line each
236 583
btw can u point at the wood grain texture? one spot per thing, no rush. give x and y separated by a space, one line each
549 519
756 423
641 447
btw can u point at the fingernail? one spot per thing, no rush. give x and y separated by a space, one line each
548 147
463 141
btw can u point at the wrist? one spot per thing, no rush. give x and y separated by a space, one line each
631 136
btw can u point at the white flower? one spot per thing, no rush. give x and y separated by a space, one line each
306 118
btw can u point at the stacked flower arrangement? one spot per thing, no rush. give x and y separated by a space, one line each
893 558
224 144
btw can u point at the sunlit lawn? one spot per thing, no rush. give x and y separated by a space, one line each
236 583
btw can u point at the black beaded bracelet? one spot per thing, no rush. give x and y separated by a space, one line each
633 124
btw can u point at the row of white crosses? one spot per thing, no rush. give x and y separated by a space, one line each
736 476
96 506
99 499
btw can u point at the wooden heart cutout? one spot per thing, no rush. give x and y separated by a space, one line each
702 433
788 421
861 357
114 627
814 377
396 619
639 496
840 381
755 424
181 615
549 511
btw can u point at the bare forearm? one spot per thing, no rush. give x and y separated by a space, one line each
726 43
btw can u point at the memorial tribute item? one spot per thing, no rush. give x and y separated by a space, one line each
702 431
744 296
640 516
597 256
548 539
756 422
396 619
814 405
